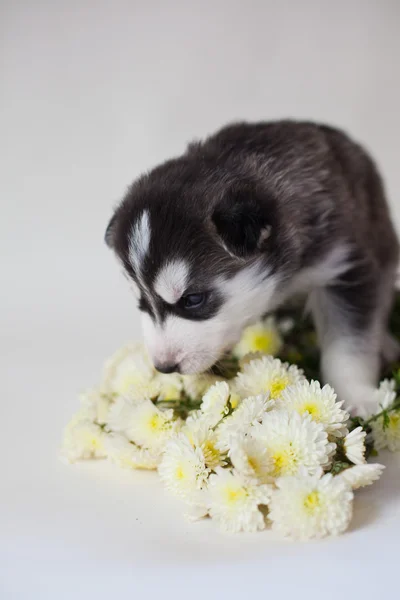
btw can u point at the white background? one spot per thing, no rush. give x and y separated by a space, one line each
92 94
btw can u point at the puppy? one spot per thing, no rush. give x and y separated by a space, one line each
241 222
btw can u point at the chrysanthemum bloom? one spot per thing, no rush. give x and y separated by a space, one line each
234 501
385 394
266 375
251 459
183 469
130 373
362 475
120 413
82 439
320 403
354 446
150 427
214 404
263 337
249 412
127 455
294 442
387 385
308 507
169 386
386 432
202 436
96 404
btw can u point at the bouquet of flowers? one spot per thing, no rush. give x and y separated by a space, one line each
256 443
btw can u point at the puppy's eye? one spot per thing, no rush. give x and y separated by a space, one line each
193 301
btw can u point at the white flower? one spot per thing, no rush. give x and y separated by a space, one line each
266 375
82 439
362 475
387 385
127 455
251 459
262 337
320 403
214 404
120 413
202 436
354 446
386 432
195 386
249 412
183 469
130 373
308 507
169 386
97 405
234 501
294 442
150 427
386 394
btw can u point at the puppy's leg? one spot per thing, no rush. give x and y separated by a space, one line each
390 351
390 348
350 317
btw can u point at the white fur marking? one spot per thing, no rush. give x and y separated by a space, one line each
196 345
331 266
171 280
140 240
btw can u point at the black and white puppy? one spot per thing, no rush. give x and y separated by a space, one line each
241 222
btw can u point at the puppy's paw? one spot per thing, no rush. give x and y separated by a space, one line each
390 348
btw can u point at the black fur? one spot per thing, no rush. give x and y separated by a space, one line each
308 184
241 217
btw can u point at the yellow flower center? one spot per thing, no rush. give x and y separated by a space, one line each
394 420
313 410
233 495
155 422
264 342
285 461
94 443
277 386
212 456
180 473
312 501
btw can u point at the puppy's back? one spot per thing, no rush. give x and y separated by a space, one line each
322 179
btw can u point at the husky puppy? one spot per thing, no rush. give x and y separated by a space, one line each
248 218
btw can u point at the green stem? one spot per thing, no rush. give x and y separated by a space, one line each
395 406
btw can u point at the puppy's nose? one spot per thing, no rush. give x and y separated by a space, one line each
167 368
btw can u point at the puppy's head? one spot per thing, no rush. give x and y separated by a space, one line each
197 248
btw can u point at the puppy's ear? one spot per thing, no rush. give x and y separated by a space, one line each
109 236
243 220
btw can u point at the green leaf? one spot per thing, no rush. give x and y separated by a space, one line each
338 466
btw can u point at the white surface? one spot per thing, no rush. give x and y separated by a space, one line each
92 94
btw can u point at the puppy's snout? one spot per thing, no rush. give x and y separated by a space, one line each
167 368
